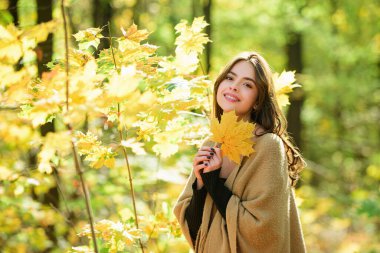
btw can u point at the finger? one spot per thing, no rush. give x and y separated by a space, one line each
218 152
198 168
199 159
205 153
206 148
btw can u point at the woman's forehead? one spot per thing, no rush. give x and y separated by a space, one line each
243 69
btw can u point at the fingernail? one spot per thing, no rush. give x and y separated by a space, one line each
201 162
211 153
208 157
212 149
206 164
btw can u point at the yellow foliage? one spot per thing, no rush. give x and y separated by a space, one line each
135 35
54 145
88 37
191 39
95 153
11 48
116 235
122 85
235 137
137 147
14 43
284 84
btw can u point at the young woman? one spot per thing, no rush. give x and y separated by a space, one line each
249 207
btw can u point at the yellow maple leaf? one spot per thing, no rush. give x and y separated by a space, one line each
41 31
284 84
235 137
137 147
134 34
124 84
191 39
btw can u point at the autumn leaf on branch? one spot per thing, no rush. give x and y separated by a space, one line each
235 137
89 37
191 39
97 154
133 34
284 84
190 43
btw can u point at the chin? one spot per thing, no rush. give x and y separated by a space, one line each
228 109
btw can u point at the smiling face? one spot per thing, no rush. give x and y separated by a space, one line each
238 90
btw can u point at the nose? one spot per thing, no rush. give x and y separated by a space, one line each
234 86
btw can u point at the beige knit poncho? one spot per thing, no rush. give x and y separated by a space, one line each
261 215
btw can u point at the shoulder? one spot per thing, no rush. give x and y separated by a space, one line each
270 146
269 140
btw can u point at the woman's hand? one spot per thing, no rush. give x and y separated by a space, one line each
206 159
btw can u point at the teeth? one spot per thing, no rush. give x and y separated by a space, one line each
231 98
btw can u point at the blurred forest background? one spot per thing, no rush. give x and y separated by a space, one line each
334 47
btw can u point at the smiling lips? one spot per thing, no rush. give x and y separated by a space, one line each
231 97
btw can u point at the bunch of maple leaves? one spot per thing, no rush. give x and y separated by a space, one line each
151 98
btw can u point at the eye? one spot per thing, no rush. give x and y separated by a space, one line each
228 77
248 85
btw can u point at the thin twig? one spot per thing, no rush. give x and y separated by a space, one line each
131 186
125 150
208 92
60 190
68 221
112 52
75 153
86 196
66 53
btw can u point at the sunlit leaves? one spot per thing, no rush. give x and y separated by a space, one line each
122 85
152 99
117 236
136 147
15 43
235 137
284 84
97 154
191 39
89 37
135 35
10 46
55 146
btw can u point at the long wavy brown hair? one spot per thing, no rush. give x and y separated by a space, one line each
267 112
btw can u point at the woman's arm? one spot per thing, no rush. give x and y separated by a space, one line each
217 190
194 211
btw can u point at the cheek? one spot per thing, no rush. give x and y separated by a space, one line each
251 96
220 89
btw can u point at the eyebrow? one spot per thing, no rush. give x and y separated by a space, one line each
246 78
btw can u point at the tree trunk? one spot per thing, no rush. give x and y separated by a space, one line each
196 11
12 8
45 48
138 8
102 14
294 53
207 6
44 55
